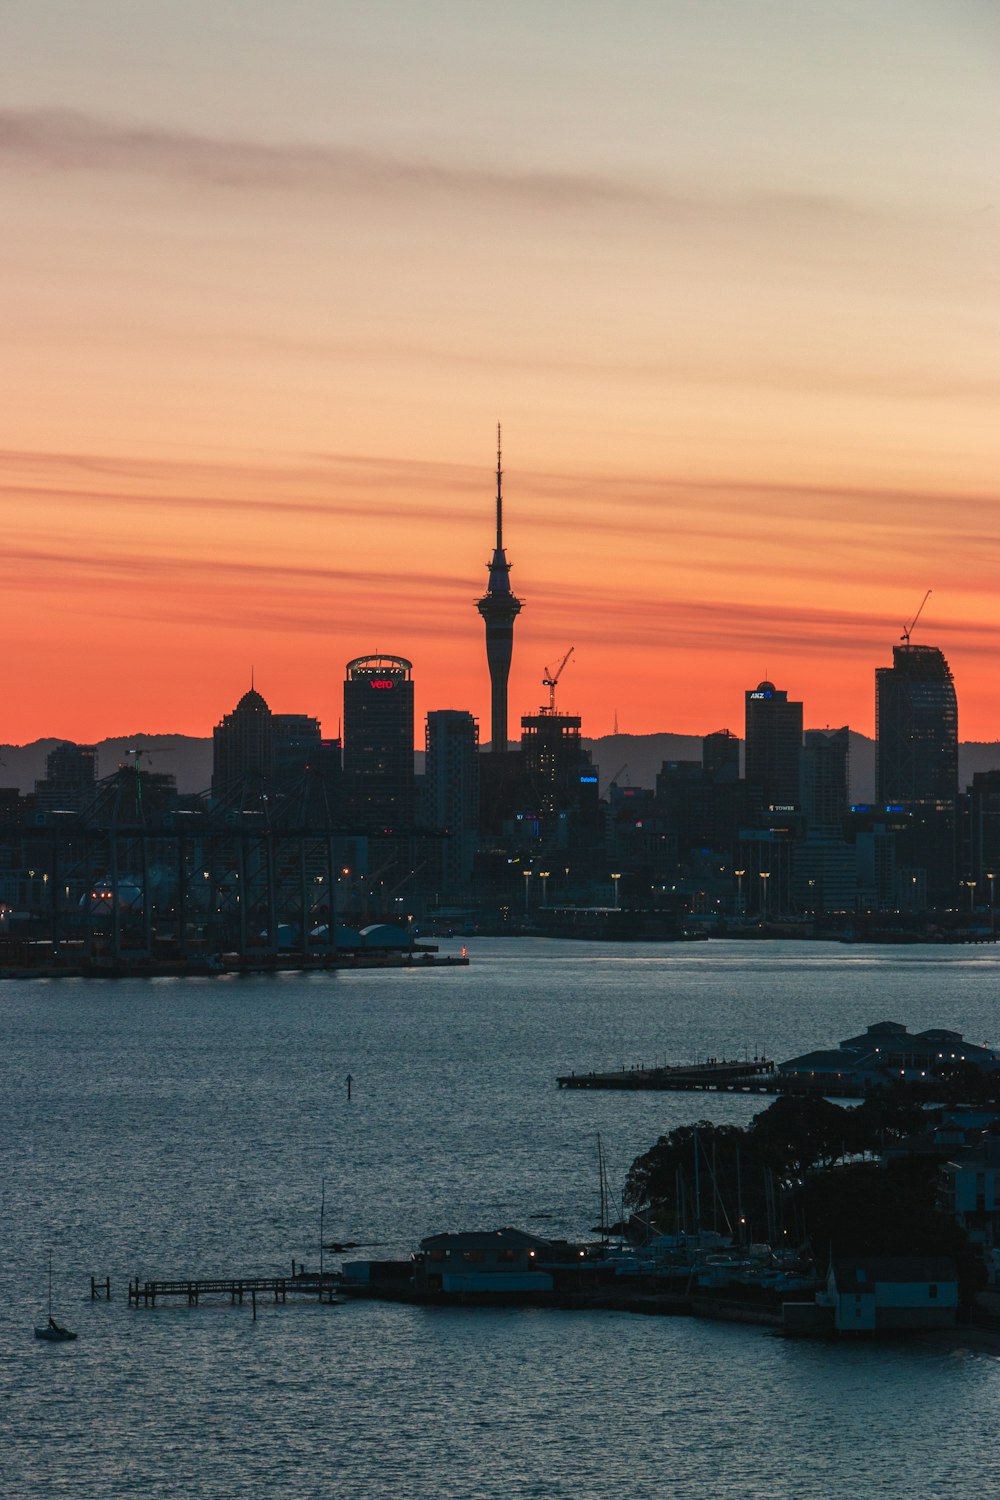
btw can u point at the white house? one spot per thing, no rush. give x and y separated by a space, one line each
881 1294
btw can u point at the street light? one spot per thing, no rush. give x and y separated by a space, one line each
989 877
527 877
972 896
765 876
739 890
543 876
616 875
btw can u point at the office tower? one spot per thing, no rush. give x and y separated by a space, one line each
296 740
70 778
826 779
916 728
499 609
379 783
983 863
774 745
720 756
916 763
451 795
242 749
559 777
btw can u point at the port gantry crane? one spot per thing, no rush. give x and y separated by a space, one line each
551 678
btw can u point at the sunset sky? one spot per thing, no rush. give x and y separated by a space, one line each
725 269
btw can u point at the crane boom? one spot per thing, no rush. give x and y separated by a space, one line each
905 637
551 678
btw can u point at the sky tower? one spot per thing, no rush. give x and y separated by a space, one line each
499 608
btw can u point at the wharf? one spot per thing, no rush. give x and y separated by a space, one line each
596 1297
325 1288
716 1076
137 966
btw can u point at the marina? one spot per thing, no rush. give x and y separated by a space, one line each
226 1105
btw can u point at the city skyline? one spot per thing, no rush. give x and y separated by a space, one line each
724 273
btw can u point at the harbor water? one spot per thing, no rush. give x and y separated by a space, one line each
167 1128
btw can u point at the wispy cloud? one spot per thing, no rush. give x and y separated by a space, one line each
62 140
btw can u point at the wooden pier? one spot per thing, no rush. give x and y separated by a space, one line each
325 1288
754 1076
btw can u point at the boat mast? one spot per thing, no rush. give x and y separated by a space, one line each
603 1173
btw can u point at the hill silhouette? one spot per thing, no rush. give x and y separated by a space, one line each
634 759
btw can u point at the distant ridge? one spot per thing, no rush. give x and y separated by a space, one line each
190 759
644 754
182 755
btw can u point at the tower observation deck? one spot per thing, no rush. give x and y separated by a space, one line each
499 608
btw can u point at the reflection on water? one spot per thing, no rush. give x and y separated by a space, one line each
184 1127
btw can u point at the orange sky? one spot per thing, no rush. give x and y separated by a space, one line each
727 277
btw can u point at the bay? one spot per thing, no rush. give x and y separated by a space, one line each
174 1127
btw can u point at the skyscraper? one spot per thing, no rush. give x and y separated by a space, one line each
242 749
70 777
774 744
379 782
826 757
720 756
451 795
916 728
499 608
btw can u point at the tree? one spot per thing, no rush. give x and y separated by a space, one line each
798 1132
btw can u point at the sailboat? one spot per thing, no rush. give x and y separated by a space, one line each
52 1331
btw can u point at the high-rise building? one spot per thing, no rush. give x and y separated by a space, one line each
379 783
451 794
70 777
826 779
916 763
720 756
242 749
774 745
499 608
559 778
916 728
296 739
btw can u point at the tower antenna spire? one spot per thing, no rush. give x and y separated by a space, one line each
499 494
499 608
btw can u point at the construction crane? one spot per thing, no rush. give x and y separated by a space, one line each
551 678
905 637
614 780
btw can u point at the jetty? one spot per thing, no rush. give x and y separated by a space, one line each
324 1287
717 1075
35 961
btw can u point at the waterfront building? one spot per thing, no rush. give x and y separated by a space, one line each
500 1260
824 875
886 1294
379 782
499 608
774 745
242 750
451 795
886 1052
970 1190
